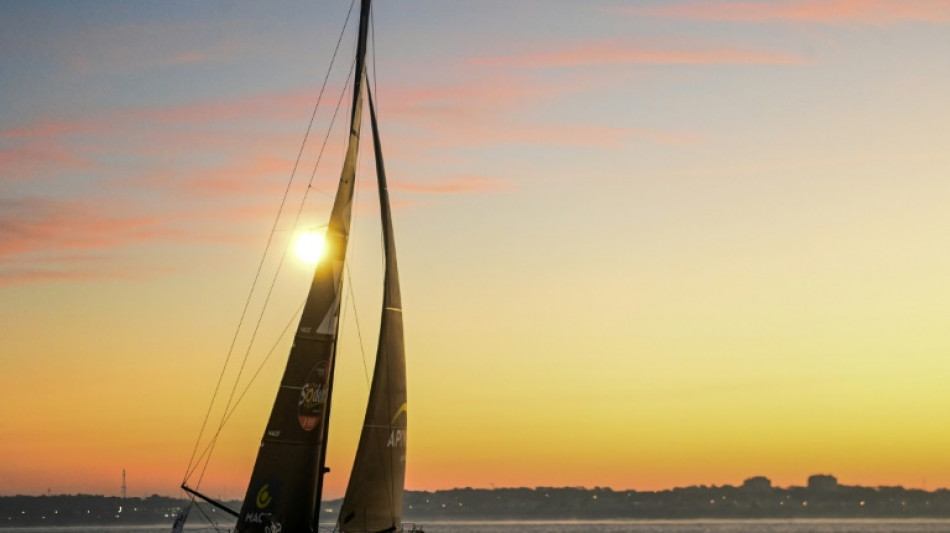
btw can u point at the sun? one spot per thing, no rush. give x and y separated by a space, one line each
310 246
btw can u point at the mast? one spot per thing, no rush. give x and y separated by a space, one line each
355 119
283 495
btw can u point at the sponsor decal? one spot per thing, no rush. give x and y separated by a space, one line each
263 497
403 409
272 526
397 438
313 396
256 518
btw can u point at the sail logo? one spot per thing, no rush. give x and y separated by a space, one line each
263 497
313 396
403 410
397 438
257 518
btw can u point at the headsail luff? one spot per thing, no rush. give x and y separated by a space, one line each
285 487
373 500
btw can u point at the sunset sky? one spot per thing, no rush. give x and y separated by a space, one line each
643 244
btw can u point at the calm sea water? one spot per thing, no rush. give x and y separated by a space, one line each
611 526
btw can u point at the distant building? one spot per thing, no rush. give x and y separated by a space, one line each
822 482
757 484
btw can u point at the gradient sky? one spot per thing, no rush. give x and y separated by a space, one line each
643 244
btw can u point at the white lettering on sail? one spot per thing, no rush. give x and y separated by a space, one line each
397 438
313 396
256 518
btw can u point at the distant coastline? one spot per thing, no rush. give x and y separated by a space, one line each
823 497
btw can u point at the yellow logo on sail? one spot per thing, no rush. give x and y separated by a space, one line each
263 497
404 408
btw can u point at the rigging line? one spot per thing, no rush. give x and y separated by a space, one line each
247 303
351 299
207 518
359 331
260 367
326 140
229 409
192 466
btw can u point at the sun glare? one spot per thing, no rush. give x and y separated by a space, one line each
310 246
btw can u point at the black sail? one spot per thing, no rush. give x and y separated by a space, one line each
284 492
373 500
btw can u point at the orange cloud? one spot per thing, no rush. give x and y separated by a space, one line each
614 53
821 11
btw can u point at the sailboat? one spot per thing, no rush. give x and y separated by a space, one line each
286 485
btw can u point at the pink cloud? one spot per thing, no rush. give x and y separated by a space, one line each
47 128
270 106
477 113
614 53
488 131
821 11
50 149
147 46
594 136
277 106
68 240
44 225
479 95
248 175
26 161
61 272
455 185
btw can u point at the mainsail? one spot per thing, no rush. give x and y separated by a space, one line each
286 484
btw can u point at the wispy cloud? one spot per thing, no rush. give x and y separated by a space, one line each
455 185
43 239
617 53
45 150
270 106
149 45
46 129
107 185
45 225
64 270
471 99
25 161
478 113
805 11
